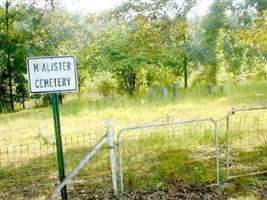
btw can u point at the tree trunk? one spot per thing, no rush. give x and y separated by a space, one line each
185 66
9 66
130 81
52 5
185 72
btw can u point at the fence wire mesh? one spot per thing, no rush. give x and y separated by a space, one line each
29 170
94 178
149 155
246 142
153 155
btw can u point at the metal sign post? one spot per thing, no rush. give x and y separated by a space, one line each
54 75
60 156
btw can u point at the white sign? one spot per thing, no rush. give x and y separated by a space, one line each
52 74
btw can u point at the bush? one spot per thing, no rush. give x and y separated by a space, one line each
103 83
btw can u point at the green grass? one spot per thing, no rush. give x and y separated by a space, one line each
152 157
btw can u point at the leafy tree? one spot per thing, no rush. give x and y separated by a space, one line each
170 16
260 5
13 83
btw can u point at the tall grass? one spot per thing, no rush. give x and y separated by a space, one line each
160 158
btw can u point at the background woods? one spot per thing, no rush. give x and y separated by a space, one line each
135 46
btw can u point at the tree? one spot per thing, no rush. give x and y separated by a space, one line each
11 68
205 49
255 34
117 50
154 9
32 31
170 16
260 5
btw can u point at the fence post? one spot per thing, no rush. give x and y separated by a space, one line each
217 151
112 157
227 146
227 142
120 161
217 132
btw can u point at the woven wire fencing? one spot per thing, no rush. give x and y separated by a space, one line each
94 178
28 166
246 142
28 170
152 155
149 155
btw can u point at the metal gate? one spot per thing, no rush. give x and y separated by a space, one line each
246 142
150 154
106 139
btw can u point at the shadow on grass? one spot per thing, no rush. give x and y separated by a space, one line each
171 164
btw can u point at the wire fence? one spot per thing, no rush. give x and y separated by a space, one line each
148 155
94 178
246 142
29 171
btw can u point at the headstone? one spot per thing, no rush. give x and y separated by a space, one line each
221 89
153 92
210 88
175 89
164 91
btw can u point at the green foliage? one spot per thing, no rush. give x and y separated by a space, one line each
156 9
104 83
260 5
137 45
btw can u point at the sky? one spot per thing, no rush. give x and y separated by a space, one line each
97 6
91 6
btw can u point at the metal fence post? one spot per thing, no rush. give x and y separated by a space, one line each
227 146
112 157
227 142
60 155
120 162
217 139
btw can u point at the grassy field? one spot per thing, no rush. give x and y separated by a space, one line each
152 157
84 115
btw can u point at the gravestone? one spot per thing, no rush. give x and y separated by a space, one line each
210 88
164 91
175 89
153 92
221 89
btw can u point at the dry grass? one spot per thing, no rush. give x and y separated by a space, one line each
86 120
